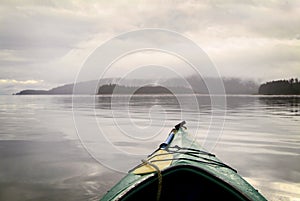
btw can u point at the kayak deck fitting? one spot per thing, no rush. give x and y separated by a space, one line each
180 170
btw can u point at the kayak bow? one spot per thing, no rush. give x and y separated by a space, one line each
180 170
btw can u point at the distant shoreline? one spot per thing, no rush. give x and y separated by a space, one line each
231 87
191 84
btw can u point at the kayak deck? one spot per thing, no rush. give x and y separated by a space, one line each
190 174
185 182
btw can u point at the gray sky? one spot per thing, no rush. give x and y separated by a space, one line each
44 43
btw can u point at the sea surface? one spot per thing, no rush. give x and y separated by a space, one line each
78 147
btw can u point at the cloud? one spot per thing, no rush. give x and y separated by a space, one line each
49 40
149 64
26 82
43 28
9 86
257 58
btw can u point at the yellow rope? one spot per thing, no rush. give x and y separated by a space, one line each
159 177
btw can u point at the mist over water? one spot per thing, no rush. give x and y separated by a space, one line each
42 157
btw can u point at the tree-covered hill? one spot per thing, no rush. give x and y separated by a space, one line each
280 87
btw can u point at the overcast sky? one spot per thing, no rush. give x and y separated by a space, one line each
44 43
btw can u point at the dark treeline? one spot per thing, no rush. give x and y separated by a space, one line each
119 89
280 87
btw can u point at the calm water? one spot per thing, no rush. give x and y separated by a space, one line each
59 148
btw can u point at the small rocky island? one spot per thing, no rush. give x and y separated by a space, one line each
280 87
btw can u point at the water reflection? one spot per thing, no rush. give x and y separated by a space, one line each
136 101
285 106
39 145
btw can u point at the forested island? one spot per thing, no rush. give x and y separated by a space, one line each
149 89
280 87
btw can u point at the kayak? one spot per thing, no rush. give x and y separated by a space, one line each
181 170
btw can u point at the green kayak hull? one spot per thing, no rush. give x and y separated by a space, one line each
193 174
